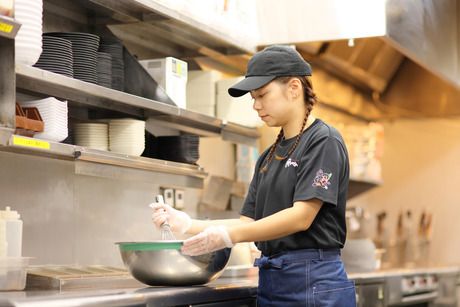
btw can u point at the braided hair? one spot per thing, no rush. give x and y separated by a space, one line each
309 99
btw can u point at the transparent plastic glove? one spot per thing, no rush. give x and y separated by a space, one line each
211 239
179 221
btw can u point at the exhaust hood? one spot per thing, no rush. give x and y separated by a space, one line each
402 57
379 59
428 32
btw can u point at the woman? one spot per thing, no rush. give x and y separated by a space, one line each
295 207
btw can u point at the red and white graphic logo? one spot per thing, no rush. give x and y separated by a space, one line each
322 179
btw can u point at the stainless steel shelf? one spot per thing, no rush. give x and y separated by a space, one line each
44 82
358 186
35 80
239 134
106 157
21 144
185 30
8 27
10 142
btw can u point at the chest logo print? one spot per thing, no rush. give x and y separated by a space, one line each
322 179
290 162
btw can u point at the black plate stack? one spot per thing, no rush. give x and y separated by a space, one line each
182 148
57 56
84 48
115 48
104 69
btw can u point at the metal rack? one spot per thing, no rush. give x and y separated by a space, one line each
35 81
91 161
8 30
182 29
39 81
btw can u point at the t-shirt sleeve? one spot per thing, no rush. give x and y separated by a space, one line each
321 168
249 206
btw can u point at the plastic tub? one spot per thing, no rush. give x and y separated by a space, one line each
13 273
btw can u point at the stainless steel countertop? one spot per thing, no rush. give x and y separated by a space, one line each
224 288
404 271
218 290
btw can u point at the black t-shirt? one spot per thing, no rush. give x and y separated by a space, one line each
318 168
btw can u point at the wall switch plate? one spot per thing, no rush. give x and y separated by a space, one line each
168 195
179 202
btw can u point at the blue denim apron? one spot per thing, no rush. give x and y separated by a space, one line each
308 277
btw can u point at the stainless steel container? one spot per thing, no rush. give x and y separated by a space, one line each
160 263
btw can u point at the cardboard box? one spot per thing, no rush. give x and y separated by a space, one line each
171 74
201 91
237 110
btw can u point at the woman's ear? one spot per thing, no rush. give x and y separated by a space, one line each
295 87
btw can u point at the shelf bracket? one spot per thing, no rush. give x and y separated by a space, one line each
7 83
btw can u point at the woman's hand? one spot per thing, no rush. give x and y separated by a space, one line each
179 221
211 239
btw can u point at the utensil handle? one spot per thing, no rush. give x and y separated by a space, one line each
159 199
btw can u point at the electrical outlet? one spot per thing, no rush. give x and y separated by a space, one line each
168 195
179 202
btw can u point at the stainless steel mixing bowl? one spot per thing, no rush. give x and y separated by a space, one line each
160 263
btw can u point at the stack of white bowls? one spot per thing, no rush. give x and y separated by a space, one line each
92 135
28 41
54 114
127 136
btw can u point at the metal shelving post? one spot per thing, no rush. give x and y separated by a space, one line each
8 30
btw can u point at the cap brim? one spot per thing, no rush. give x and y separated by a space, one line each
249 84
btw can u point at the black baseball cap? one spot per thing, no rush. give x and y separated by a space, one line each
268 64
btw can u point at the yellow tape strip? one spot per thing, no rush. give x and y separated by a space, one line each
21 141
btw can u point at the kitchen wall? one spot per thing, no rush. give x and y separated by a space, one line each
421 170
75 219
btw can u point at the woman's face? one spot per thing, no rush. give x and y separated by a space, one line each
272 104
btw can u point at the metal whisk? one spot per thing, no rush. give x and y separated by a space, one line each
166 233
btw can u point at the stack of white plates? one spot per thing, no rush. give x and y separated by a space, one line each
92 135
54 115
28 41
127 136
